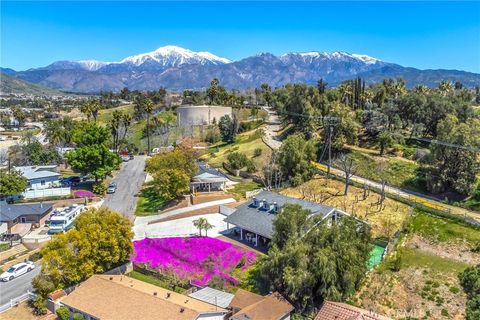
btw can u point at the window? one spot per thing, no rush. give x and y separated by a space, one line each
23 220
42 182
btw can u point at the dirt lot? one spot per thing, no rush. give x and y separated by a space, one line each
385 219
426 286
417 293
461 251
24 312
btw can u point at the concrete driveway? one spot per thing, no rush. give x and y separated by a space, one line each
129 182
18 286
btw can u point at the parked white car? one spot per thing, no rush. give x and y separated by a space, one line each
17 270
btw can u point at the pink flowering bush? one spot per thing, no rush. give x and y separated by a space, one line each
199 259
83 194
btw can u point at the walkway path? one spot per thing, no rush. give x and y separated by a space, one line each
270 137
406 194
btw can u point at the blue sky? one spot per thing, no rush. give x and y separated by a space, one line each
422 35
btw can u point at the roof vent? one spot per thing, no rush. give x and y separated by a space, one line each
168 295
182 309
266 206
275 207
255 202
111 278
155 294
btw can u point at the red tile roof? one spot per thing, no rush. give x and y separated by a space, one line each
341 311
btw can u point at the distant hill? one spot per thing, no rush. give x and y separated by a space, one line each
9 85
177 68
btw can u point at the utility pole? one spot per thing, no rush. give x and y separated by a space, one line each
330 130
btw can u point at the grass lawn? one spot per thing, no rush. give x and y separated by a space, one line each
398 172
433 253
385 220
154 280
239 189
412 258
149 202
4 247
105 115
245 143
442 229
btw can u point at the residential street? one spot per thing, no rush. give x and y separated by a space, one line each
129 181
17 287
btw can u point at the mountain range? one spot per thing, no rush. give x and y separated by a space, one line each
176 68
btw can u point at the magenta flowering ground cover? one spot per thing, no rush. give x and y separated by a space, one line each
198 259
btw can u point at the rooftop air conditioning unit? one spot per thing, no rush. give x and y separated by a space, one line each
255 202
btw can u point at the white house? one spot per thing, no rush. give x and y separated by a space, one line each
43 181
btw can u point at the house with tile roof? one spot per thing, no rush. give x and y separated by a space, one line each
341 311
247 305
253 220
119 297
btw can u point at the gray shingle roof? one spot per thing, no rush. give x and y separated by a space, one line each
10 212
216 297
260 221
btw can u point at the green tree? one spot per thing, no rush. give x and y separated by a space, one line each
455 166
91 109
384 140
63 313
92 155
237 160
202 224
309 261
11 182
100 241
172 172
470 281
227 129
148 108
295 157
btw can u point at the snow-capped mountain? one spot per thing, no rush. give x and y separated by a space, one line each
173 56
177 68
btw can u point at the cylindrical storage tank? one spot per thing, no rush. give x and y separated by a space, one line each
201 115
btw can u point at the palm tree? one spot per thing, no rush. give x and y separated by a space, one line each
28 137
206 226
421 89
148 108
199 225
445 87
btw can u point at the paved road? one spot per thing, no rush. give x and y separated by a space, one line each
17 287
129 181
270 137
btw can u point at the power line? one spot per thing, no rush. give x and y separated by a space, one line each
325 119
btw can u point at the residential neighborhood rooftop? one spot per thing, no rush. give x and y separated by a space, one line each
10 212
123 298
271 307
213 296
342 311
256 219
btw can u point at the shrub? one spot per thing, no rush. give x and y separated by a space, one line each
445 312
237 160
100 188
454 290
251 168
63 313
35 256
396 263
257 152
78 316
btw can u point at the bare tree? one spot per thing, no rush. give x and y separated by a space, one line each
349 168
272 174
